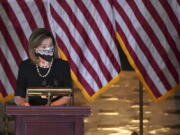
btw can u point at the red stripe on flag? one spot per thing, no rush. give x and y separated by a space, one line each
77 48
143 47
10 42
104 17
87 40
154 39
7 70
27 13
178 2
163 27
16 24
99 35
43 13
171 15
75 69
139 65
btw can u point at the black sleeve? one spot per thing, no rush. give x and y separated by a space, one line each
67 76
21 82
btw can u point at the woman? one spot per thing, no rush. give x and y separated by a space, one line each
43 69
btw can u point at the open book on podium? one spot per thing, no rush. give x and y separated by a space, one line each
49 93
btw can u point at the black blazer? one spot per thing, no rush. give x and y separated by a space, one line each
59 76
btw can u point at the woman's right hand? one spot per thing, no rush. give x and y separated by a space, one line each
20 101
24 104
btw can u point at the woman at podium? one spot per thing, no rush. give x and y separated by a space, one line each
42 69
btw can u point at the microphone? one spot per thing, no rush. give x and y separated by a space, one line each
44 83
55 83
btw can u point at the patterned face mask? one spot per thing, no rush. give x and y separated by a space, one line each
46 54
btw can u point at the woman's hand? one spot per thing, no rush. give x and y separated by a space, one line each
62 101
21 101
24 104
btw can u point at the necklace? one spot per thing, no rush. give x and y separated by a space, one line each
43 66
37 67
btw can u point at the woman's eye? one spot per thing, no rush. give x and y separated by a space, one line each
51 45
42 47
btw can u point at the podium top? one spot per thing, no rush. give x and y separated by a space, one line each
48 110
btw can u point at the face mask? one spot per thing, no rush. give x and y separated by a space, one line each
46 54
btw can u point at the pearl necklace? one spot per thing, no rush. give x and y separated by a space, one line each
37 67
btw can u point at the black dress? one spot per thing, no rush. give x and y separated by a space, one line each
59 76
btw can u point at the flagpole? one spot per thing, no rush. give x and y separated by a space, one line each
141 108
5 120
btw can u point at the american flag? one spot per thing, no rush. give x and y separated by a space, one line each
85 34
149 33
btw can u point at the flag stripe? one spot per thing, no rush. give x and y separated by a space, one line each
161 37
5 81
6 52
154 39
109 25
43 13
15 23
27 14
77 48
163 28
80 41
88 42
140 55
7 70
75 68
9 41
178 2
163 12
35 12
139 64
94 40
151 72
74 55
86 83
21 19
99 34
104 17
171 15
150 40
12 33
143 47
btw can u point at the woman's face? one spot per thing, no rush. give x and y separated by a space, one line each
45 50
46 43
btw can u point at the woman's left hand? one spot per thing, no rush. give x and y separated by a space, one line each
62 101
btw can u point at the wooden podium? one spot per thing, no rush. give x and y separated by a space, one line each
47 120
